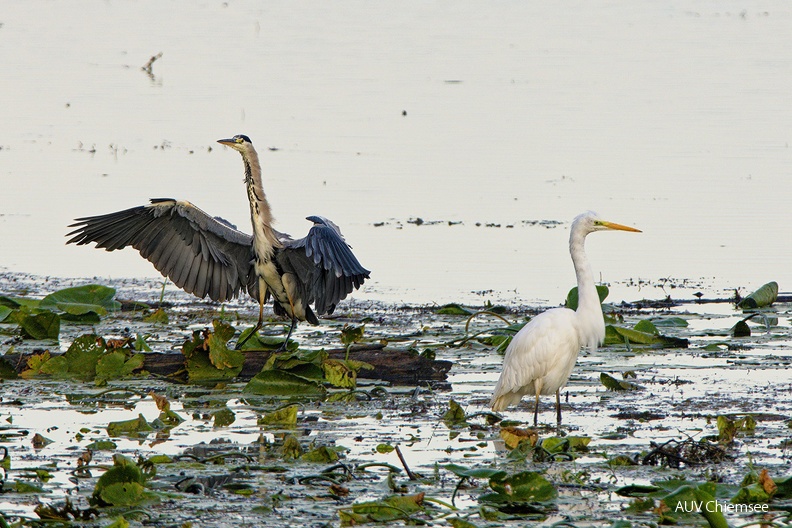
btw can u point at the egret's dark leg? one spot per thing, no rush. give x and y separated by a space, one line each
536 406
558 406
255 328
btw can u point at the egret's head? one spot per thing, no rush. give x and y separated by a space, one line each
590 221
241 143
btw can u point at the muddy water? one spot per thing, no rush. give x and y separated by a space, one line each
683 390
672 117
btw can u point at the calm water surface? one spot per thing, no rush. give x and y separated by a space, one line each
670 116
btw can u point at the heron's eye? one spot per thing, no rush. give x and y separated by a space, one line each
239 140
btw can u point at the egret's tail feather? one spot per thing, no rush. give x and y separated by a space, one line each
500 402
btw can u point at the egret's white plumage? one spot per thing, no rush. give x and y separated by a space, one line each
542 355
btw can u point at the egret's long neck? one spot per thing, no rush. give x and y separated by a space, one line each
260 213
588 299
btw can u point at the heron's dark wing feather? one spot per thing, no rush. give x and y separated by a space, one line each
200 254
324 264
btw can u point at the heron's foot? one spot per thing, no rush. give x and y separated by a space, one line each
284 346
243 341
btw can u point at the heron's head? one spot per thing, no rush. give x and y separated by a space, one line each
241 143
590 222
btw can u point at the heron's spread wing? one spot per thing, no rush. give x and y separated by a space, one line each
200 254
324 264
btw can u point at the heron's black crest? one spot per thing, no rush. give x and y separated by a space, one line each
243 137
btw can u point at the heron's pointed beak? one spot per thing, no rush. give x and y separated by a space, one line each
611 225
228 142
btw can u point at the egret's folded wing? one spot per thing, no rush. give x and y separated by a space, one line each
200 254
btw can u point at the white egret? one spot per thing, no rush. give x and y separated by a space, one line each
542 355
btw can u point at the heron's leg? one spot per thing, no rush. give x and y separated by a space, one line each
287 289
258 325
288 336
558 406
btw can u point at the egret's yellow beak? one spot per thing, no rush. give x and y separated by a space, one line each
611 225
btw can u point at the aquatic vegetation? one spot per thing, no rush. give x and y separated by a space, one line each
305 438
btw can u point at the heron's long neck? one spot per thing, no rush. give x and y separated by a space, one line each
260 213
588 299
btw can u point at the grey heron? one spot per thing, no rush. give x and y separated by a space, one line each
206 255
541 356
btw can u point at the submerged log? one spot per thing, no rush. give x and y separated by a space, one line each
397 366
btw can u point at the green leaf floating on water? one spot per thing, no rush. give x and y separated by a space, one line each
764 296
208 357
5 311
728 427
668 321
454 416
453 309
572 297
19 302
613 384
646 326
82 299
285 416
223 417
352 334
387 510
116 365
686 495
526 486
323 454
43 325
741 329
476 473
616 335
282 383
121 485
135 427
158 316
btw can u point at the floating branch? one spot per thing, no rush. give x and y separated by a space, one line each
147 67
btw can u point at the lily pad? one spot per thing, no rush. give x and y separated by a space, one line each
687 495
286 416
572 297
454 416
343 373
352 334
526 486
208 357
453 309
43 325
615 335
80 300
476 473
387 510
82 358
614 384
764 296
121 485
512 436
116 365
282 383
135 427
